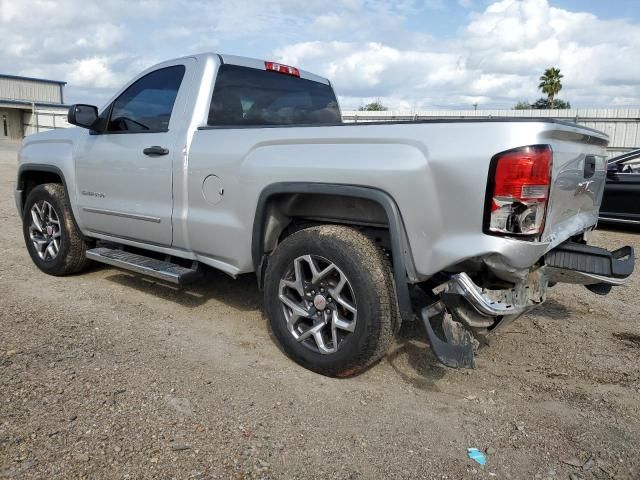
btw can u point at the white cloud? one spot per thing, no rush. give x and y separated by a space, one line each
369 48
82 42
496 59
93 72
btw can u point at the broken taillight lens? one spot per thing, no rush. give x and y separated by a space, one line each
519 191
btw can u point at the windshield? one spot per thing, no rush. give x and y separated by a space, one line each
249 96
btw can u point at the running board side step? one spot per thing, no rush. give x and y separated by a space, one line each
167 271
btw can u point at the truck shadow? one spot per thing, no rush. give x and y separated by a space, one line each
410 355
412 359
241 293
553 309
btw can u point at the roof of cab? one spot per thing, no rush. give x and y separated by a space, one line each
242 62
259 64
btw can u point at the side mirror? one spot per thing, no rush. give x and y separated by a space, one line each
84 116
612 168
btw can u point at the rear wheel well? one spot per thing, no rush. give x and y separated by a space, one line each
365 207
288 213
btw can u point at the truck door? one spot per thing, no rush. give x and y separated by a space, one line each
124 170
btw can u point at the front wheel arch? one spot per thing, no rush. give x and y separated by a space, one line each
30 175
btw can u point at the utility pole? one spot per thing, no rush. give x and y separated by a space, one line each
475 106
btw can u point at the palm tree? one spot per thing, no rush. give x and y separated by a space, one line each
550 83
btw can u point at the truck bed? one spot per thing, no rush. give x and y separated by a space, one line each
446 160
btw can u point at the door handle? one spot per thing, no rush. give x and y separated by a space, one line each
155 151
589 166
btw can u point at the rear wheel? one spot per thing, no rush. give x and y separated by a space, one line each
51 236
330 299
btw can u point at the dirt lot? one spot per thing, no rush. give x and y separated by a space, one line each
109 375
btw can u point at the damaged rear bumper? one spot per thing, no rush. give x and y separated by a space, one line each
570 262
464 305
465 311
514 301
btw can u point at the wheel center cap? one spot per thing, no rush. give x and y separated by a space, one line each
49 230
320 302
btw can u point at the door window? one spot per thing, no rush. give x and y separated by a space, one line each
5 129
147 104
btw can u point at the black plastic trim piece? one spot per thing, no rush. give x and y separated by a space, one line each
588 259
396 228
127 132
454 355
20 201
41 167
155 151
589 166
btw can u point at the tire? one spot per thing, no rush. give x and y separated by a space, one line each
362 337
63 237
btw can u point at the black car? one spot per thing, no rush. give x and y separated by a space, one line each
621 201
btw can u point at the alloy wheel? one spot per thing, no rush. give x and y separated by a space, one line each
44 230
318 303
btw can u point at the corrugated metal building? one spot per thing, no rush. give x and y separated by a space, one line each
29 105
621 124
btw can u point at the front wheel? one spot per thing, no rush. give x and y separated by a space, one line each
52 238
330 299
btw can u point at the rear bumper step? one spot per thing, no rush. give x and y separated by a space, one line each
167 271
573 262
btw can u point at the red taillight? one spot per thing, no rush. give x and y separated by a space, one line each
520 190
278 67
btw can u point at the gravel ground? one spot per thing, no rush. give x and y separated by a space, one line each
109 375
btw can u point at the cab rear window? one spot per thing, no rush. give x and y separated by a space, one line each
244 96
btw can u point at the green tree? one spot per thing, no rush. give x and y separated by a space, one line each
376 106
543 104
522 105
550 84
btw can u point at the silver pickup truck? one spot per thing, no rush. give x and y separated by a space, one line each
225 162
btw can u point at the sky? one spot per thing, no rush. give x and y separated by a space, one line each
410 54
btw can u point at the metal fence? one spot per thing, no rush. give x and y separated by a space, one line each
43 120
621 124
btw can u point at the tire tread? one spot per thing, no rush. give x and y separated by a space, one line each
372 260
74 253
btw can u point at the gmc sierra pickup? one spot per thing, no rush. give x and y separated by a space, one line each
245 166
